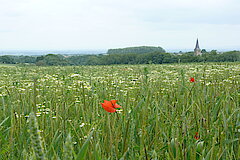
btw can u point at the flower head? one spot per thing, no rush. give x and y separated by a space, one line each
196 136
192 79
110 106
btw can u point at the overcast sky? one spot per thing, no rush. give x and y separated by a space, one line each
104 24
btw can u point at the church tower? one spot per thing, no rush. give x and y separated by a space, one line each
197 50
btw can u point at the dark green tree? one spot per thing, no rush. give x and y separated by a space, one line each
7 59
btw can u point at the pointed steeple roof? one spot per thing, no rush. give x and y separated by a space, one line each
197 45
197 50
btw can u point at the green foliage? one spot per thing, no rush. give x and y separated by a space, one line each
7 59
151 58
123 58
137 50
68 148
162 111
51 60
83 151
24 59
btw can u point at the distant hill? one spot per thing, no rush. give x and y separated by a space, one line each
138 50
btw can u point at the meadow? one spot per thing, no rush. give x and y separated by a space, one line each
55 112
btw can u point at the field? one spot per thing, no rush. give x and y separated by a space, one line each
164 115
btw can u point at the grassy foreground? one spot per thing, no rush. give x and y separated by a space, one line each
164 115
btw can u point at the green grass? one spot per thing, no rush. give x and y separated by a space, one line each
6 65
162 111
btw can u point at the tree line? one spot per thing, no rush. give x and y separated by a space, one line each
138 50
122 58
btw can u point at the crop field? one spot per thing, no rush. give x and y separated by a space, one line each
172 111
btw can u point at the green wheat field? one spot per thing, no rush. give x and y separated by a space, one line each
55 112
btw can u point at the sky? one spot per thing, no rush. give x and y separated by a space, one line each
103 24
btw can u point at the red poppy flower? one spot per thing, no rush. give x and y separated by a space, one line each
110 106
192 79
196 136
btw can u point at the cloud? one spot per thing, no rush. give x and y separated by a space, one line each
93 24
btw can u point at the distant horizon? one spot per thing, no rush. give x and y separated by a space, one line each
99 51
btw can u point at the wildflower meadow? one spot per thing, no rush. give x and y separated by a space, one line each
170 111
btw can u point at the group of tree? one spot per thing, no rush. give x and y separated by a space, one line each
137 50
52 60
17 59
123 58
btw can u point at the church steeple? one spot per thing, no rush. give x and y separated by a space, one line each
197 50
